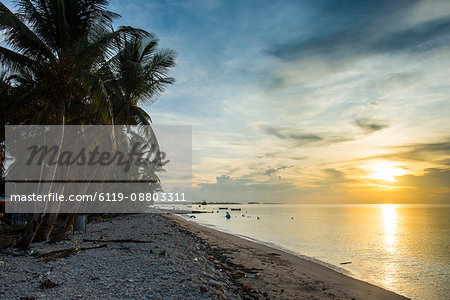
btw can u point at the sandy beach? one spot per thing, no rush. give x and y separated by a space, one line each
167 257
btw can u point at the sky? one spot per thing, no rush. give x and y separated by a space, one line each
308 101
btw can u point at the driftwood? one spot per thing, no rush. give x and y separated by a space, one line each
252 270
118 241
58 254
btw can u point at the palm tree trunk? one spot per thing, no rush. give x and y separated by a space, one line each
66 222
47 229
35 219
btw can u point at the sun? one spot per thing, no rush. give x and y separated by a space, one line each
386 171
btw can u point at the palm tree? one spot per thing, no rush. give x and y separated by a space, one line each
135 76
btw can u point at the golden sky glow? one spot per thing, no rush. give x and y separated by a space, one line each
386 171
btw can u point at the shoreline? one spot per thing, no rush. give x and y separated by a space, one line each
305 257
274 246
284 275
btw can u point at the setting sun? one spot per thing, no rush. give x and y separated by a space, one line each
386 171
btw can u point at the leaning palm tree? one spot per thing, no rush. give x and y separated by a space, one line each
59 45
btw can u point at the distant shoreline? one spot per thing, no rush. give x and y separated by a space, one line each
233 203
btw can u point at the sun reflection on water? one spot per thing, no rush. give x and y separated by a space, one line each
389 220
389 215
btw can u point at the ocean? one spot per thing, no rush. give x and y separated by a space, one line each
403 248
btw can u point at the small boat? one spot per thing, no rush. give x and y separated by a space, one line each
223 207
235 209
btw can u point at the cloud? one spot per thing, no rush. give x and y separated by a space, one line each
395 80
223 179
334 174
292 134
442 147
432 178
432 186
334 180
274 189
298 137
245 190
272 171
353 29
369 125
422 37
438 152
444 162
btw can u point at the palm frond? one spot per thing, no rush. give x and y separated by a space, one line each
20 37
14 61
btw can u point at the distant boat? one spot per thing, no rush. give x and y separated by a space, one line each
236 209
223 207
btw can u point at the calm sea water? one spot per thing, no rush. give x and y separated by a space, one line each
403 248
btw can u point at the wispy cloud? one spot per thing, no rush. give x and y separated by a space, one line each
272 171
369 125
366 28
439 152
299 137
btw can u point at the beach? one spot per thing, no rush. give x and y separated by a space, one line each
166 257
